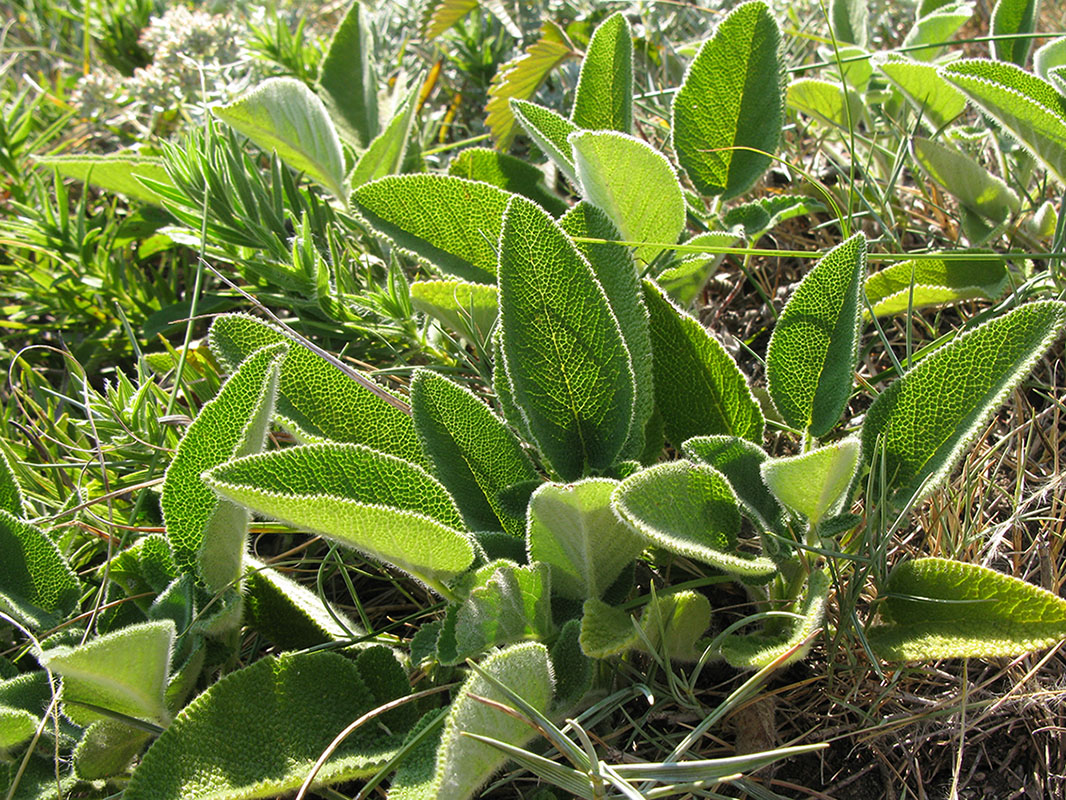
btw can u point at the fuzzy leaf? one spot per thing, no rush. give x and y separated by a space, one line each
1049 56
509 173
573 671
549 132
684 281
283 115
386 153
11 499
439 15
674 623
449 222
147 565
814 484
114 172
376 503
740 461
849 20
17 727
259 730
107 748
474 454
732 95
605 630
37 586
814 349
603 99
935 27
922 423
699 390
762 215
469 309
1013 17
826 101
347 80
938 608
691 510
925 282
562 347
938 102
634 184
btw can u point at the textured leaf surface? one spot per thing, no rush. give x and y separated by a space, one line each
385 154
549 132
509 173
469 309
208 536
691 510
283 115
685 279
563 351
925 282
573 529
922 423
11 499
764 214
603 99
739 460
115 172
731 96
674 623
814 349
826 101
699 390
450 222
37 586
973 185
474 454
347 80
938 101
634 184
259 730
934 28
938 608
1049 56
107 748
813 484
1013 17
606 630
439 15
379 504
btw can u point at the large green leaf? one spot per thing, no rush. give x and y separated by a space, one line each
634 184
938 102
386 153
258 731
934 281
688 509
938 608
603 99
114 172
740 461
283 115
207 535
378 504
1011 18
348 81
474 454
918 428
563 351
469 309
814 349
814 484
449 222
732 95
510 173
699 390
37 586
549 132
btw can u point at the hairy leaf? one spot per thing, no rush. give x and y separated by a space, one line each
740 461
673 624
348 81
685 279
938 102
1013 17
933 28
549 132
849 20
439 15
509 173
114 172
1049 56
826 101
469 309
925 282
814 484
107 748
386 153
606 630
11 499
603 99
37 586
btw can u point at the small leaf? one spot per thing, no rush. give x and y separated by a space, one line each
347 80
691 510
11 499
934 28
634 184
732 95
814 349
605 630
762 215
17 727
919 427
1049 56
381 505
37 586
603 99
938 608
740 461
673 624
571 667
549 132
147 565
814 484
699 390
685 280
826 101
440 15
932 281
283 115
469 309
107 748
508 173
1010 17
114 172
386 153
938 102
849 20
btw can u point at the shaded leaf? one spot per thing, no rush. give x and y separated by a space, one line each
606 630
37 587
673 624
1013 17
469 309
827 102
348 81
107 748
740 461
386 153
549 132
603 99
509 173
11 499
685 280
929 281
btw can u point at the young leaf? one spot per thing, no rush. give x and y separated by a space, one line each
691 510
827 101
934 28
474 454
634 184
919 426
762 215
849 20
1011 17
464 764
684 281
11 499
573 671
1049 56
107 748
114 172
699 390
814 349
469 309
37 587
740 461
385 154
439 15
732 95
509 173
926 282
938 102
208 536
603 99
378 504
347 80
562 347
549 132
283 115
938 608
673 624
814 484
449 222
259 730
573 530
605 630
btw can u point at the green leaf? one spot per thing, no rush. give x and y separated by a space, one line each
572 669
685 279
519 79
316 399
283 115
634 184
603 99
550 132
691 510
762 215
925 282
814 349
17 727
814 484
386 153
107 748
469 309
24 699
826 101
732 95
376 503
740 461
509 173
605 630
573 530
562 347
347 80
935 27
439 15
114 172
849 20
37 587
474 454
938 102
465 764
699 390
124 671
1049 56
1026 106
938 608
449 222
1013 17
147 565
919 427
11 499
674 623
259 730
